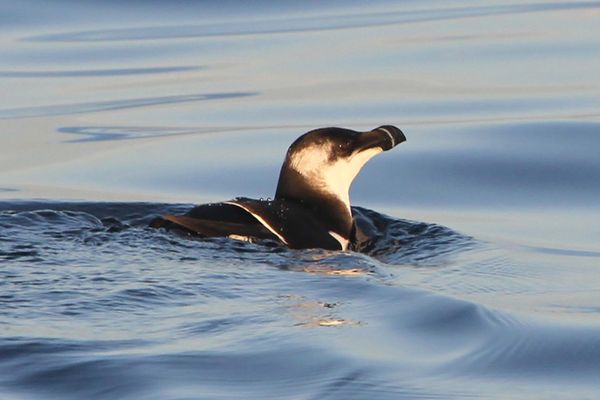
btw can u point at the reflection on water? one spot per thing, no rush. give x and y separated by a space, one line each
483 282
100 133
93 72
65 109
311 23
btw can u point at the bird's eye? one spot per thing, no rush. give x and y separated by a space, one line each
344 145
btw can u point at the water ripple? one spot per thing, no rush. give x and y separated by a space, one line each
305 24
109 133
178 313
79 108
96 72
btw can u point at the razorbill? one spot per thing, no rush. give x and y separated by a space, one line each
311 208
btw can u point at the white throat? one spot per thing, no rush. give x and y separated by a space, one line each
334 177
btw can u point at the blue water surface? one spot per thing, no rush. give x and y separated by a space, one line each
484 284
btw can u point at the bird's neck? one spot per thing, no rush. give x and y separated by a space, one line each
331 208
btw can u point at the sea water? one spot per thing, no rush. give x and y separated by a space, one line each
485 285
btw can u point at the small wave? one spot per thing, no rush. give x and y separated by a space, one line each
396 241
79 108
110 133
564 252
187 313
535 351
304 24
95 72
399 241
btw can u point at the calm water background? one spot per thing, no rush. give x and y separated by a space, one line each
112 113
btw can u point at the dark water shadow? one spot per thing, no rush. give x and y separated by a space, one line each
305 24
96 72
8 190
80 108
111 133
563 252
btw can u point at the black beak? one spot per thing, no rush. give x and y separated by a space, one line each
386 137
